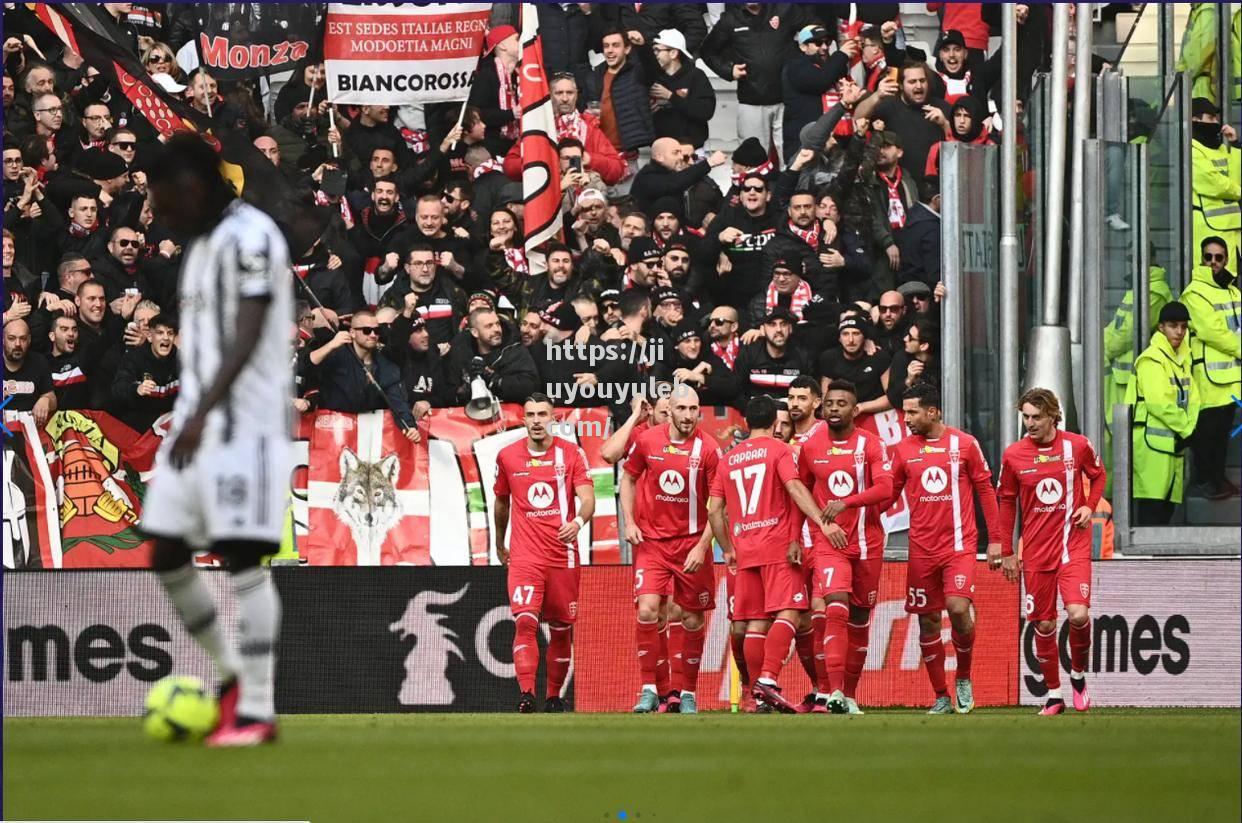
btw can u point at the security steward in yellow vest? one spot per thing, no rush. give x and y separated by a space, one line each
1215 307
1216 183
1166 408
1119 350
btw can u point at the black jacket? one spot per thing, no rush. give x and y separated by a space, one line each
423 374
919 244
685 118
722 386
762 373
343 385
804 82
747 278
443 305
631 102
654 181
485 96
136 411
509 371
752 39
73 387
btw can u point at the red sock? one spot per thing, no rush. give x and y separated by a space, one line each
963 644
560 652
692 655
663 674
933 659
836 643
676 651
1049 658
648 636
817 633
804 644
776 647
857 636
526 650
738 643
756 643
1080 645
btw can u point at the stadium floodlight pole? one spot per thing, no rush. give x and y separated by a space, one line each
1056 166
1009 223
365 371
1082 127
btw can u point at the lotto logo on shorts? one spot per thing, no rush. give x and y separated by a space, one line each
959 580
703 597
798 597
1084 589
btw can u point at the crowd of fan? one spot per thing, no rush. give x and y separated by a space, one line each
819 256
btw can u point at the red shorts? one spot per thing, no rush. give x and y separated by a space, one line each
548 590
658 568
810 563
836 571
929 580
1073 580
730 589
761 591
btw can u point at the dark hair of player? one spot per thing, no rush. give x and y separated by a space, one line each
802 381
1042 399
845 386
538 397
760 412
926 393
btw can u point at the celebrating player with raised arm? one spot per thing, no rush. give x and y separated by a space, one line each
538 477
757 490
669 471
848 475
222 476
942 465
1042 476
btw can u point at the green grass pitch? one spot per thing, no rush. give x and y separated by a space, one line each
1004 765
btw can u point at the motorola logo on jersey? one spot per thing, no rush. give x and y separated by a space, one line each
840 483
540 495
671 482
1049 491
935 480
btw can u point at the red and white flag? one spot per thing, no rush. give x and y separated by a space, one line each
541 170
368 495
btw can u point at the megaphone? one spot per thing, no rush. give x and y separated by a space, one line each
483 405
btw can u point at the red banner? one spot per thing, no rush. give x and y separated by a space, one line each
541 167
606 664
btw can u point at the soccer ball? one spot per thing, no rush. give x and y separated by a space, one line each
179 708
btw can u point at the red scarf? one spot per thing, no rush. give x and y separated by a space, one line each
845 126
516 260
78 230
509 102
571 125
727 353
302 270
416 140
896 208
797 301
763 170
809 236
347 214
486 167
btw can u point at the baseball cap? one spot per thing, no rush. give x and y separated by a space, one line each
914 288
498 35
951 37
1201 106
812 34
780 313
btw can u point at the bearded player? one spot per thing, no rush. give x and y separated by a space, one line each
644 415
1042 476
757 490
804 400
846 470
539 476
669 471
942 465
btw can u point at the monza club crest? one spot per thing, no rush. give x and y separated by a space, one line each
959 580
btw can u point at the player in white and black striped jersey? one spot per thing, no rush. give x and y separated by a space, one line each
222 474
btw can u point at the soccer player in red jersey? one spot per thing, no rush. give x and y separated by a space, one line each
805 399
539 477
669 471
644 415
942 465
847 472
1042 477
757 487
